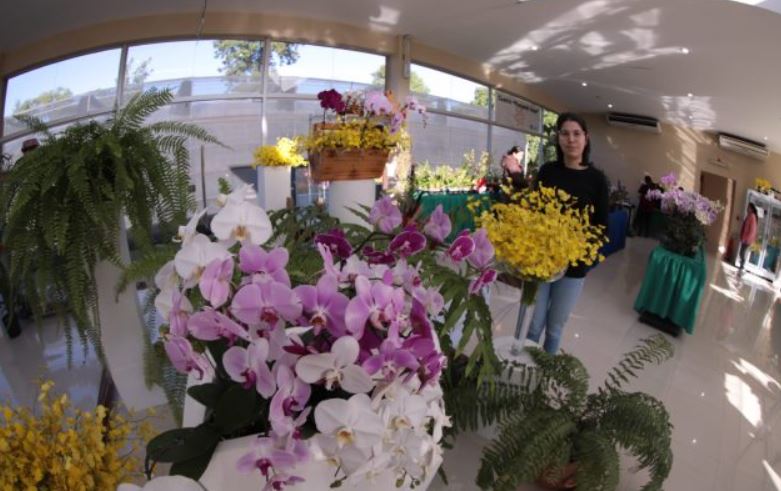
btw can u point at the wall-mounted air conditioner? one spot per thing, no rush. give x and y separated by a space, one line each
634 122
743 146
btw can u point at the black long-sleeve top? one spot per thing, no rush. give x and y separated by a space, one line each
589 186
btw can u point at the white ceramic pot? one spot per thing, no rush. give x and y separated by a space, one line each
343 195
221 474
273 187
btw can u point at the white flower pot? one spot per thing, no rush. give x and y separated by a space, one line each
273 187
221 474
350 194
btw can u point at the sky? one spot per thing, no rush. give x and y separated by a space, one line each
185 59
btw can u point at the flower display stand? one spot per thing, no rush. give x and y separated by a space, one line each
347 165
273 187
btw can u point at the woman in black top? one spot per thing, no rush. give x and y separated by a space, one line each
573 172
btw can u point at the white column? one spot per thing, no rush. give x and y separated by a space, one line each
273 187
350 194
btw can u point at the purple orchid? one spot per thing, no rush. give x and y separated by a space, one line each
331 99
407 243
483 255
215 281
430 298
377 103
210 325
185 359
264 266
487 277
179 314
337 243
368 305
291 397
273 455
325 305
390 359
430 359
385 215
377 257
461 248
265 305
438 226
669 181
248 367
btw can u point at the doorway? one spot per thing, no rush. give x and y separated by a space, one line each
721 189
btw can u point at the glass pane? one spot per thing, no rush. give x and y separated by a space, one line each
445 139
13 147
65 89
773 243
441 91
502 140
195 68
237 124
306 69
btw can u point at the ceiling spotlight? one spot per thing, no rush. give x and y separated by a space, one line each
584 84
690 94
691 117
764 138
535 47
610 106
685 51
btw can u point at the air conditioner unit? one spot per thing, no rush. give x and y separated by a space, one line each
634 122
743 146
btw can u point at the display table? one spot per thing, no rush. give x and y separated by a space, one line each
617 226
656 224
454 205
669 298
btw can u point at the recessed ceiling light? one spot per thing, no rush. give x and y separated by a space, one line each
610 106
691 117
765 138
685 51
690 94
584 84
535 47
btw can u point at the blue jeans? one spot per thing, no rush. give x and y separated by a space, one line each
552 308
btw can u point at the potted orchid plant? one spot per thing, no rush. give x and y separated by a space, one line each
335 376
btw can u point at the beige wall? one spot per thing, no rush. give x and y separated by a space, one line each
626 154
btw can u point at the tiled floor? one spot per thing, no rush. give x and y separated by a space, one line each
722 388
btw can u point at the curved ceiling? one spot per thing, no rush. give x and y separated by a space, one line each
630 53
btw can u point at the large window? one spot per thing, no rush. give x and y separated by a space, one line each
440 91
73 88
445 139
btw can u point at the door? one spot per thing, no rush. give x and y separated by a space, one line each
718 188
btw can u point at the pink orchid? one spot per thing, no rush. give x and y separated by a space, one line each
390 359
430 298
324 304
181 308
185 359
336 368
483 253
438 226
486 278
461 248
280 480
276 453
248 367
291 397
385 215
407 243
377 103
264 266
369 304
210 325
265 305
430 359
215 281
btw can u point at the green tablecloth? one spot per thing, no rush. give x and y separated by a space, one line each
672 287
454 204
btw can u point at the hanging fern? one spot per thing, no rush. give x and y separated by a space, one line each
547 420
62 203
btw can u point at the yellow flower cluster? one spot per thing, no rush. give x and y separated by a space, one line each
66 449
762 185
356 134
283 154
540 233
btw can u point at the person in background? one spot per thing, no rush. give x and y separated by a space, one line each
512 167
748 234
574 173
645 207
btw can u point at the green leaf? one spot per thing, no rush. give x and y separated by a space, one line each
207 394
192 468
182 444
237 408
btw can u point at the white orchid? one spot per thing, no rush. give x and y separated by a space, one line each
193 258
166 278
407 449
187 232
242 221
347 458
351 421
370 469
336 368
165 483
409 411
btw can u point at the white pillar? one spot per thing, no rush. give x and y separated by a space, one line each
350 194
273 187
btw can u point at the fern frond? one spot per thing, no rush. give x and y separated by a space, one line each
597 460
653 350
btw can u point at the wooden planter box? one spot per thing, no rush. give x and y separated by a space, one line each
347 165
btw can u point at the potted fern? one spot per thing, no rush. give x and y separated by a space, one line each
62 216
551 430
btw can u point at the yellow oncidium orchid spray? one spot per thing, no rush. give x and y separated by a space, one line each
540 232
283 154
63 448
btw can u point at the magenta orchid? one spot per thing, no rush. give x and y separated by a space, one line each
248 367
385 215
337 243
438 226
407 243
461 248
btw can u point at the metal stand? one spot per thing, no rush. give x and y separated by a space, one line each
511 348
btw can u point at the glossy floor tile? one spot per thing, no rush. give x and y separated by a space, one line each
722 387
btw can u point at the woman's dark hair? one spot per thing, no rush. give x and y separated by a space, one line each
514 149
752 208
563 118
